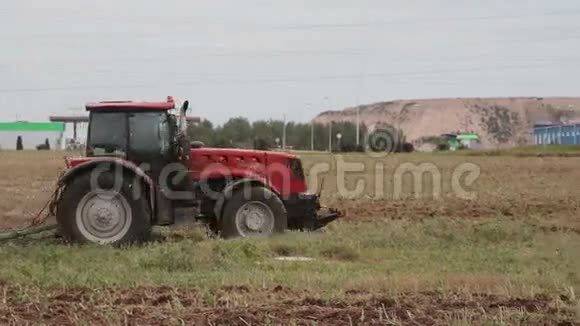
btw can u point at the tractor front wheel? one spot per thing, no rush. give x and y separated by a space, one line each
254 213
104 215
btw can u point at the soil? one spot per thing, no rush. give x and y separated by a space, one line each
243 306
508 186
517 188
456 207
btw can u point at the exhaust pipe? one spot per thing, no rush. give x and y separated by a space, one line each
183 117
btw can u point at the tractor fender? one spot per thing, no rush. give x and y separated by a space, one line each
228 191
90 164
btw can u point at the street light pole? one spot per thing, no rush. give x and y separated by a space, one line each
325 100
357 126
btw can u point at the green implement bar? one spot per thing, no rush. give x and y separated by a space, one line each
31 126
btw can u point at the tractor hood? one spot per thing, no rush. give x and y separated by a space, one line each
241 152
272 168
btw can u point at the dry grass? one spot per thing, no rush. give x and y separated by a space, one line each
432 272
26 182
525 187
508 256
543 187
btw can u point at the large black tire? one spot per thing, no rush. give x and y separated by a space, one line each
258 204
115 218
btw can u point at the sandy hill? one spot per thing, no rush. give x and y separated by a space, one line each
499 121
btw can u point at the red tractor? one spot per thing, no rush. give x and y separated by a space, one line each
140 166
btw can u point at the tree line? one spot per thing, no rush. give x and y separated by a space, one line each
266 134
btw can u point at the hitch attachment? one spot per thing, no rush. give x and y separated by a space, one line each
306 214
327 215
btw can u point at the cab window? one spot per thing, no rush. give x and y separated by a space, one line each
150 133
107 133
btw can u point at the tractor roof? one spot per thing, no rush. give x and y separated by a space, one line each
131 106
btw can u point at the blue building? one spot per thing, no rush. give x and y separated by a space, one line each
557 134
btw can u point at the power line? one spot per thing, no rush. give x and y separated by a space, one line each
281 79
570 12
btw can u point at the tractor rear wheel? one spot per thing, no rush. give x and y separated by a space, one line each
255 213
105 215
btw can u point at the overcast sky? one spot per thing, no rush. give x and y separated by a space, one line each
267 59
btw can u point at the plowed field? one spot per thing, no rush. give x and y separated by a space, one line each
410 250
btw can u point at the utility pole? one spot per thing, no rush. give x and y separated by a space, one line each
312 136
330 137
360 87
284 133
325 107
311 129
357 126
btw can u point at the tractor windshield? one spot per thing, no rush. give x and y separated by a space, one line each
107 134
150 133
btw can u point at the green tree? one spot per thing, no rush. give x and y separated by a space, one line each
203 132
262 134
220 140
348 140
262 144
298 135
320 137
263 129
238 132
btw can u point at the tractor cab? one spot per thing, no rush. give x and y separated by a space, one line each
141 132
146 134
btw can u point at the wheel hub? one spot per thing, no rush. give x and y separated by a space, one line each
254 218
254 221
103 218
